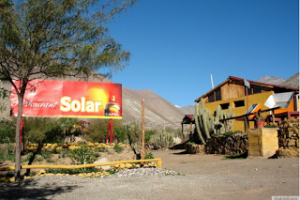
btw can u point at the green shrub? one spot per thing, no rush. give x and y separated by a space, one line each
7 156
148 135
97 130
118 149
72 171
120 133
149 155
48 130
28 157
270 126
190 143
63 154
46 154
7 131
10 148
82 155
229 133
38 158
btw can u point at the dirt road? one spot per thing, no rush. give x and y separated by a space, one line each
206 177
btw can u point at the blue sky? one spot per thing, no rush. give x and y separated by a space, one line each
177 44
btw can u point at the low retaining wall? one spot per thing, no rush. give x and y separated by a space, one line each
228 145
262 142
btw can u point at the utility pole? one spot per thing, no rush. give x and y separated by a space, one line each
143 130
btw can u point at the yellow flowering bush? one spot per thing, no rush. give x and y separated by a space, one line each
71 146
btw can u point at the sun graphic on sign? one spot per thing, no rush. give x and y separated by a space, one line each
96 94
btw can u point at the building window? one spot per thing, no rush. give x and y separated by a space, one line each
211 97
249 91
239 103
224 106
218 95
256 89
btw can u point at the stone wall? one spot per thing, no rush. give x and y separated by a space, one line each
229 145
288 134
262 142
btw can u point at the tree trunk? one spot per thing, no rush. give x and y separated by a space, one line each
18 129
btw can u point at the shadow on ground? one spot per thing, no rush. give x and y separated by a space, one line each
181 153
28 189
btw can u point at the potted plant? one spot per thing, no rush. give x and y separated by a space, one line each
260 119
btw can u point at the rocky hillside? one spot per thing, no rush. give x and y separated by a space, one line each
188 109
158 111
292 81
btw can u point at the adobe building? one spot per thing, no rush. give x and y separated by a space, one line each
233 92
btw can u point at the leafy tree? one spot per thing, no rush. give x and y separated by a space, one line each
134 133
49 130
40 39
3 95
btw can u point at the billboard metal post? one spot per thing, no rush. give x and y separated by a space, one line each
110 133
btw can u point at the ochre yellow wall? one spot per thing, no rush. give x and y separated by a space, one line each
252 99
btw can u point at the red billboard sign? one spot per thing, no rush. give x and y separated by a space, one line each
48 98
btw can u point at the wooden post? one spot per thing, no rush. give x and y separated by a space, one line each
143 130
182 133
246 124
273 117
247 101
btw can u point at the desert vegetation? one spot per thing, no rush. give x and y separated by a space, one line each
48 140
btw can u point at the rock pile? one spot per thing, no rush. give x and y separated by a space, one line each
139 172
288 134
228 145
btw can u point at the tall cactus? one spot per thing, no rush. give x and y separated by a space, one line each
204 121
197 121
206 124
229 123
163 139
222 127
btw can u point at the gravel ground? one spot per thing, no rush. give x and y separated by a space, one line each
204 177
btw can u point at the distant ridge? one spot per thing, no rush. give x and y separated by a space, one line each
272 80
188 109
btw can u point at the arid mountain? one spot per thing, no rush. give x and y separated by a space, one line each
292 81
271 80
188 109
158 111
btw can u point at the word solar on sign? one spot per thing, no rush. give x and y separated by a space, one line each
49 98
